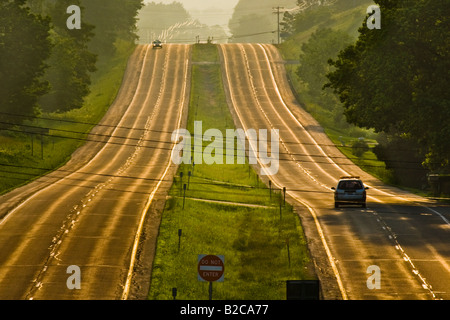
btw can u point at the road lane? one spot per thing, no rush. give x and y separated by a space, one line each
353 239
90 218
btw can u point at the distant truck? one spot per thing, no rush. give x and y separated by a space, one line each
157 44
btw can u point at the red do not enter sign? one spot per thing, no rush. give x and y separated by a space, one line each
211 268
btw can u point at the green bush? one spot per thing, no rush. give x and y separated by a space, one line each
359 147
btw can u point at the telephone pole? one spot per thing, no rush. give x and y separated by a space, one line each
278 12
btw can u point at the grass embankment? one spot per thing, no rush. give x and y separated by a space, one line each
252 239
22 157
341 133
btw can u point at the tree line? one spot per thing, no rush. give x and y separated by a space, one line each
395 80
256 21
44 66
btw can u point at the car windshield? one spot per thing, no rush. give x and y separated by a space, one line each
350 185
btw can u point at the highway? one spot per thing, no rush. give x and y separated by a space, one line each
407 237
98 210
101 210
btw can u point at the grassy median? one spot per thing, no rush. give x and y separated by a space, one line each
227 211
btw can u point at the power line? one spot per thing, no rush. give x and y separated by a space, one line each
193 182
73 183
110 136
250 34
288 155
102 175
140 142
83 133
278 12
108 126
262 195
68 121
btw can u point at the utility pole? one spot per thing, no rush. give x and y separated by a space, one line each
278 12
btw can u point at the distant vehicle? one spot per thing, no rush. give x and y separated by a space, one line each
157 44
350 190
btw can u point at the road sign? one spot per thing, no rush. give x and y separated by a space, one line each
211 268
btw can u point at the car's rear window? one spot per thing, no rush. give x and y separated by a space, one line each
350 185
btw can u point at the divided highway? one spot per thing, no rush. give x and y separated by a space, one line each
407 237
92 212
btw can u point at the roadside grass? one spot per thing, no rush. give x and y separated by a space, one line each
254 240
25 157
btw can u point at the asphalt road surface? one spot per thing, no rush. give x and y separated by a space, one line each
92 212
96 211
405 236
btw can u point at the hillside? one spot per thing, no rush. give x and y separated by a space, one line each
256 21
347 18
343 21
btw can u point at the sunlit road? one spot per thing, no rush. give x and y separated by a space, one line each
91 212
405 236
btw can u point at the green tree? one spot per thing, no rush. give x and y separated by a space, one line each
112 20
396 79
323 44
75 51
24 47
71 62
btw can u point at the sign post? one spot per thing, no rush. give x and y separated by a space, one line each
211 269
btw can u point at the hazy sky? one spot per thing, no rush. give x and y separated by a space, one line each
202 4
